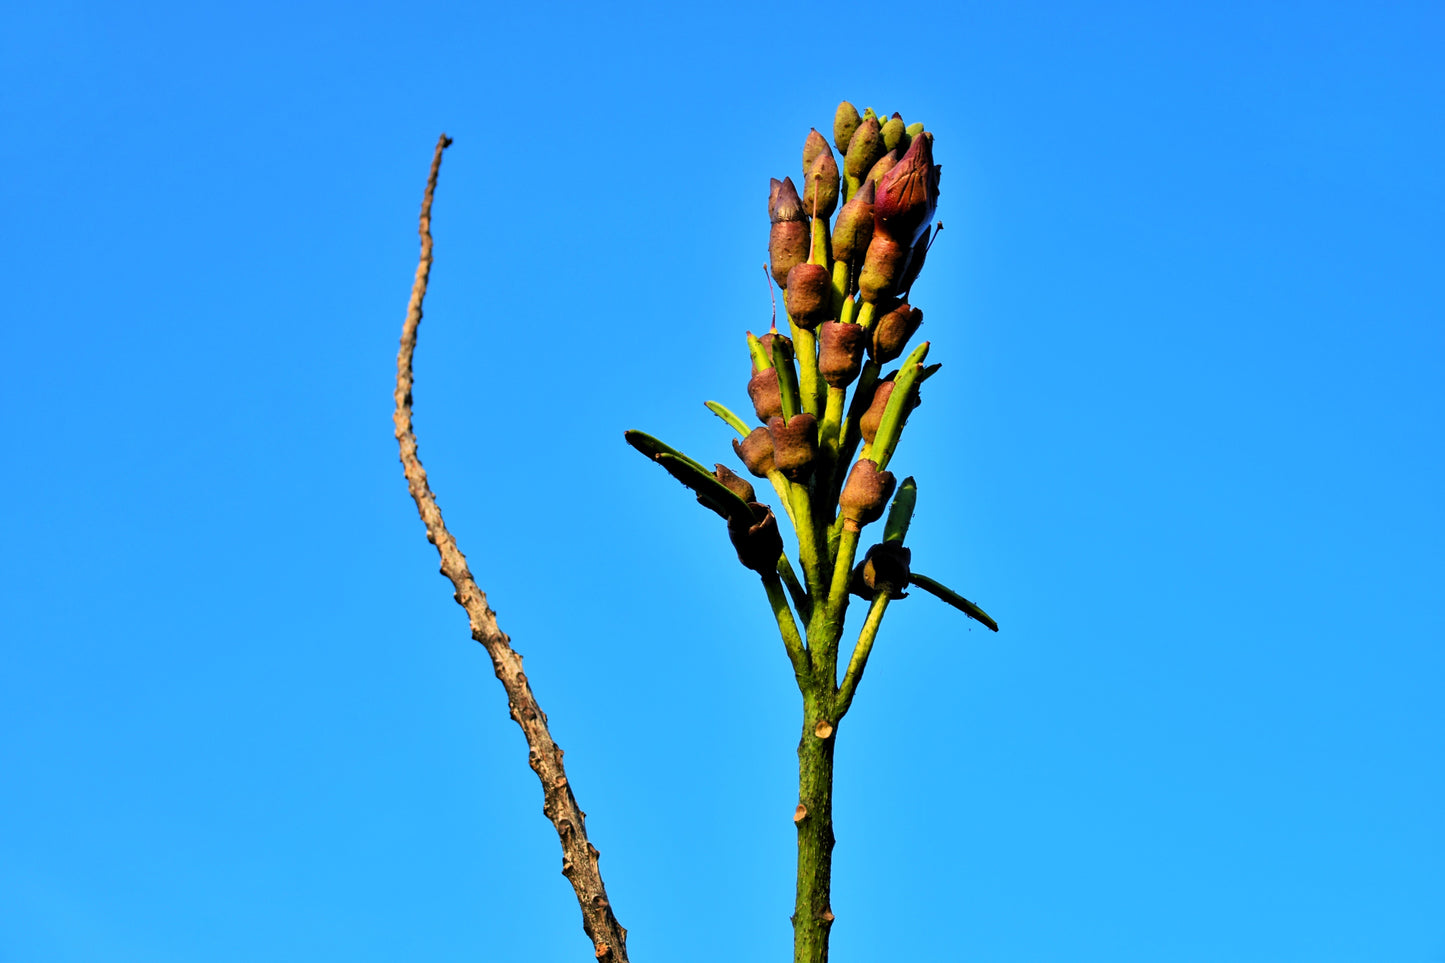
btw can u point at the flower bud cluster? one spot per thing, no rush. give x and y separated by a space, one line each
845 250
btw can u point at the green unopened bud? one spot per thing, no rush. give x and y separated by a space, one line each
795 444
734 482
789 236
757 540
845 123
820 183
885 164
895 134
840 352
864 149
884 569
908 194
765 393
883 266
870 420
913 130
865 494
892 331
854 228
756 452
809 294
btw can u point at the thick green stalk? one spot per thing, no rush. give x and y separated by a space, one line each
812 912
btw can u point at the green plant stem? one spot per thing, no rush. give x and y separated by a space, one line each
861 651
840 287
805 348
838 588
788 628
807 531
801 602
832 423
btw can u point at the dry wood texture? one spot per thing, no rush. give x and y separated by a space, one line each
579 857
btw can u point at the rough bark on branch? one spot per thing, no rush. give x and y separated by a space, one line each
579 857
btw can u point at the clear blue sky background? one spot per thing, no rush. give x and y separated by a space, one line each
1186 447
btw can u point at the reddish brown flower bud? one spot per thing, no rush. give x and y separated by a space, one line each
813 146
908 194
873 417
809 295
757 540
883 265
892 331
884 568
866 493
854 228
864 149
784 204
846 121
820 184
795 444
756 452
788 237
767 396
734 482
840 352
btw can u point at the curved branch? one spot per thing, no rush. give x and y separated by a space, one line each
579 857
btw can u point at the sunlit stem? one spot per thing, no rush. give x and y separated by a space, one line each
861 651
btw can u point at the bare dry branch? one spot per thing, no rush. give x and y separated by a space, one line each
579 857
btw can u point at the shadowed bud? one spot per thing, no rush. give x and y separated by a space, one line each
885 164
757 540
809 295
795 444
884 568
865 494
892 331
908 194
840 352
766 395
883 266
864 149
756 452
895 134
845 123
873 417
915 263
820 183
855 226
734 482
788 238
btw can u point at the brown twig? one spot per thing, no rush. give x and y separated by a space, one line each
579 857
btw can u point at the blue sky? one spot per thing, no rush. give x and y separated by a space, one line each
1185 447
